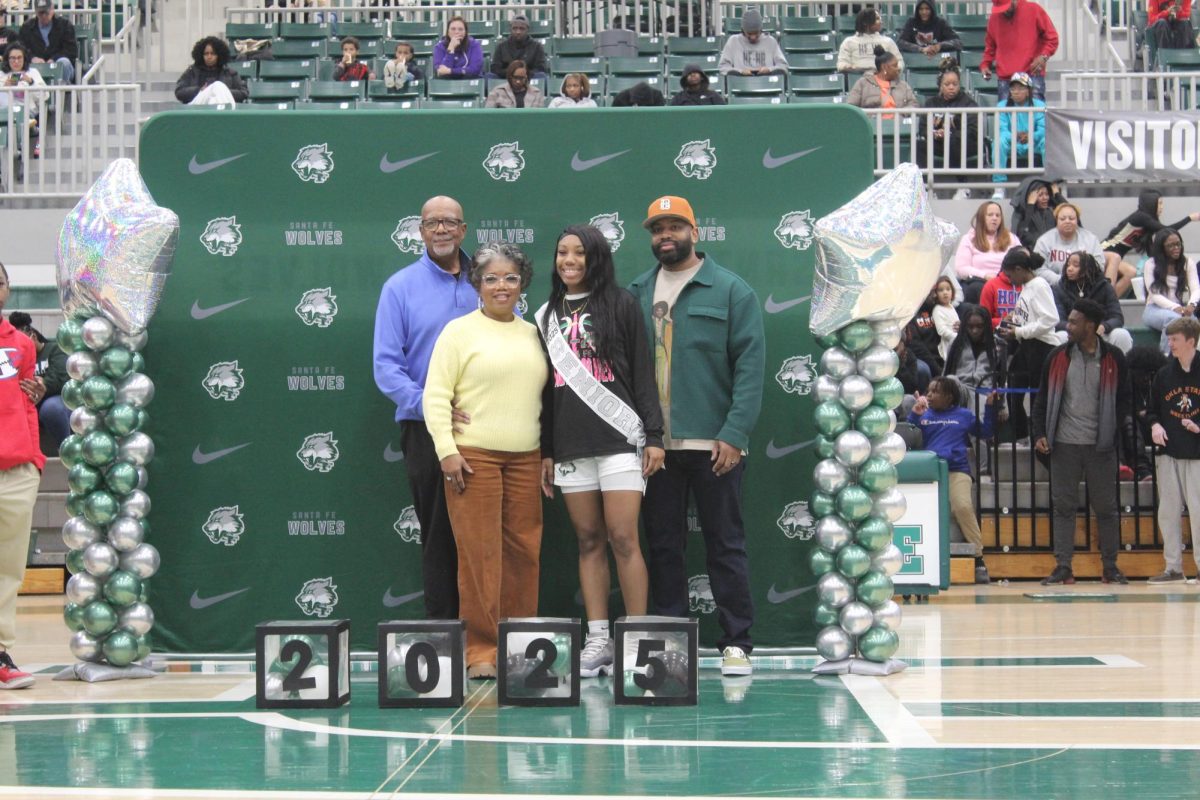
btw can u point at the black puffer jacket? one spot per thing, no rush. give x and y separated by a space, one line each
196 78
701 97
1028 221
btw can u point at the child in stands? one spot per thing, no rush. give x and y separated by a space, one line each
349 68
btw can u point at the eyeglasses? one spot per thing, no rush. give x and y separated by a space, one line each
433 224
510 279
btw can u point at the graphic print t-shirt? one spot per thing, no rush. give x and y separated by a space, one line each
575 322
666 291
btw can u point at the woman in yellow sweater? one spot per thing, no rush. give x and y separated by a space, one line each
490 365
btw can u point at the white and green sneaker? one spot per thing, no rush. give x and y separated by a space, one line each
734 661
596 658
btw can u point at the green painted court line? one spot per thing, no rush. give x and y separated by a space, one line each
1009 661
1054 708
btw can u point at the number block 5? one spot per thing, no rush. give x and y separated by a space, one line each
538 662
421 664
302 664
655 661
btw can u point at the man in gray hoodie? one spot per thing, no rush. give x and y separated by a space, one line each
752 52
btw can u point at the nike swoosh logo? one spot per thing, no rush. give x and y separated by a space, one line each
393 166
580 164
391 456
777 597
196 168
780 452
205 313
771 162
201 457
774 308
391 601
199 602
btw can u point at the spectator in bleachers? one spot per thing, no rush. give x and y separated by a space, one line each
945 316
51 39
1066 237
1020 129
857 53
1172 287
16 72
1136 232
948 130
752 52
923 338
1168 27
1033 208
457 54
518 46
400 71
1144 363
54 418
999 297
8 33
640 94
348 67
209 80
694 89
575 92
982 249
1020 38
1082 278
516 91
910 373
883 88
927 33
973 357
1028 330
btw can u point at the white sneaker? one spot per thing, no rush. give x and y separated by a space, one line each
596 658
962 194
734 661
998 194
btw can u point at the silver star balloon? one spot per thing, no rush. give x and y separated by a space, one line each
115 250
878 255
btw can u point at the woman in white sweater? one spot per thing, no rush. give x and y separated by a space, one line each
1171 284
857 53
1028 330
1066 237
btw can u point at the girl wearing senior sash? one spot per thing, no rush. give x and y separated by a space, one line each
607 425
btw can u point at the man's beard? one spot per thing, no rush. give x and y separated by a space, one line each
683 251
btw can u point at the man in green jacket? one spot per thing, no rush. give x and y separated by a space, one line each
709 352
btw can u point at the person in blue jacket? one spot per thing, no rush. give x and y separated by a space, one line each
1029 130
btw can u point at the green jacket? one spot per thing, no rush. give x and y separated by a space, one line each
52 367
718 354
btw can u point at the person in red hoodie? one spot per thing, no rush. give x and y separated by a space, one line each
1020 38
21 463
999 297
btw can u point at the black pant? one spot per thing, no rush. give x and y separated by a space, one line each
1024 372
1070 463
439 556
972 289
719 503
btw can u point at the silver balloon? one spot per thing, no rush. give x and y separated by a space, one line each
85 647
395 658
851 448
100 559
137 448
833 643
830 476
125 533
82 364
131 341
890 504
142 560
889 615
856 618
891 428
78 533
855 392
878 362
144 477
834 589
948 237
83 588
85 420
889 560
836 363
97 333
890 446
887 333
832 533
136 504
135 389
825 388
137 617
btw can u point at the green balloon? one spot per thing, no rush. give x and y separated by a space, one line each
398 683
74 561
827 341
83 478
116 362
854 503
99 618
875 588
857 336
122 588
825 615
888 393
99 448
122 477
97 393
877 474
852 561
70 452
144 646
824 447
822 504
873 421
75 503
143 419
831 418
139 363
122 419
874 533
121 648
72 394
70 335
820 561
144 594
878 644
73 616
100 507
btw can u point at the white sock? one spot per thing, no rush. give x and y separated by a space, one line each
598 629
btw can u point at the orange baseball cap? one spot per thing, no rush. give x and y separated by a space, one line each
669 206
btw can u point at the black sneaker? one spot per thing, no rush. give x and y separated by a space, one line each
981 575
1114 575
1060 575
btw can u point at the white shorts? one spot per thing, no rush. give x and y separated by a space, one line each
619 473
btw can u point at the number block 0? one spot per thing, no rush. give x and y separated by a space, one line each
656 661
421 664
538 662
302 664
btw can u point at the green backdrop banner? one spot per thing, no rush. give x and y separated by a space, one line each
279 489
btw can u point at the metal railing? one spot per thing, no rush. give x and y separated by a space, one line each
485 10
1131 91
893 11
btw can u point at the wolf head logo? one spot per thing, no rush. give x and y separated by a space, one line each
700 596
697 159
612 228
224 381
407 525
224 526
566 468
317 307
319 452
318 597
796 376
505 161
796 521
314 163
222 236
795 230
407 235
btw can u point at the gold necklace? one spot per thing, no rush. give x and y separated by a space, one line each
571 312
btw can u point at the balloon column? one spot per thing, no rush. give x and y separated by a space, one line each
878 256
114 255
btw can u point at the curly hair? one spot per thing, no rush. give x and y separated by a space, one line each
10 49
219 47
485 255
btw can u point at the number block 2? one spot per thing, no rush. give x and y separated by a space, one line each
538 662
655 661
421 664
302 664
